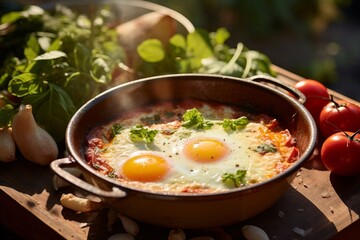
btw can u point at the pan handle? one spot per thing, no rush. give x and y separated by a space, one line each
267 79
56 166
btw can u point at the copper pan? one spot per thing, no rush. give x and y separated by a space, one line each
259 93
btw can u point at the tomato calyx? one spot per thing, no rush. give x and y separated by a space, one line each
336 104
352 137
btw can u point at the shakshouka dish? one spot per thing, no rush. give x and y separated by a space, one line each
190 146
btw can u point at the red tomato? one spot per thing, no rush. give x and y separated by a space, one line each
316 95
340 153
339 116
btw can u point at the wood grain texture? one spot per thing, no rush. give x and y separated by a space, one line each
318 203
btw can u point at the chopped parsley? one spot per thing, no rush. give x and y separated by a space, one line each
233 124
141 134
192 118
265 148
115 130
233 180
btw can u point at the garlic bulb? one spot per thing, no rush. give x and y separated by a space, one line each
252 232
34 143
7 145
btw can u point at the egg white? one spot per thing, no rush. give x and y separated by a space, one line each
186 172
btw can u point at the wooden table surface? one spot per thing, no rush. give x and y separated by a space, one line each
318 204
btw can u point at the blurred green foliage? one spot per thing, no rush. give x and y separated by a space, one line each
293 33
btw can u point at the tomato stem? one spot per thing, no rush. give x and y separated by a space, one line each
353 135
337 105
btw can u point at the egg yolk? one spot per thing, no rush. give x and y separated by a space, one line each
205 150
145 168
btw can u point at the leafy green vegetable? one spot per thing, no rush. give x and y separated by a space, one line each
52 109
192 118
59 61
233 180
265 148
201 52
234 124
151 50
6 113
141 134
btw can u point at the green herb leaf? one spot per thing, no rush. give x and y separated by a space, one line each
233 180
141 134
198 43
52 109
100 71
11 17
178 41
82 57
32 49
24 84
6 114
234 124
192 118
115 130
80 87
151 50
221 35
265 148
50 55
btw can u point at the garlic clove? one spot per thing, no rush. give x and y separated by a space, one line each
252 232
121 236
7 145
79 204
129 225
177 234
34 142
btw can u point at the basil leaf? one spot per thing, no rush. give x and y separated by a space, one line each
100 71
25 84
151 50
50 55
81 87
198 43
52 109
221 35
178 41
82 57
32 49
11 17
